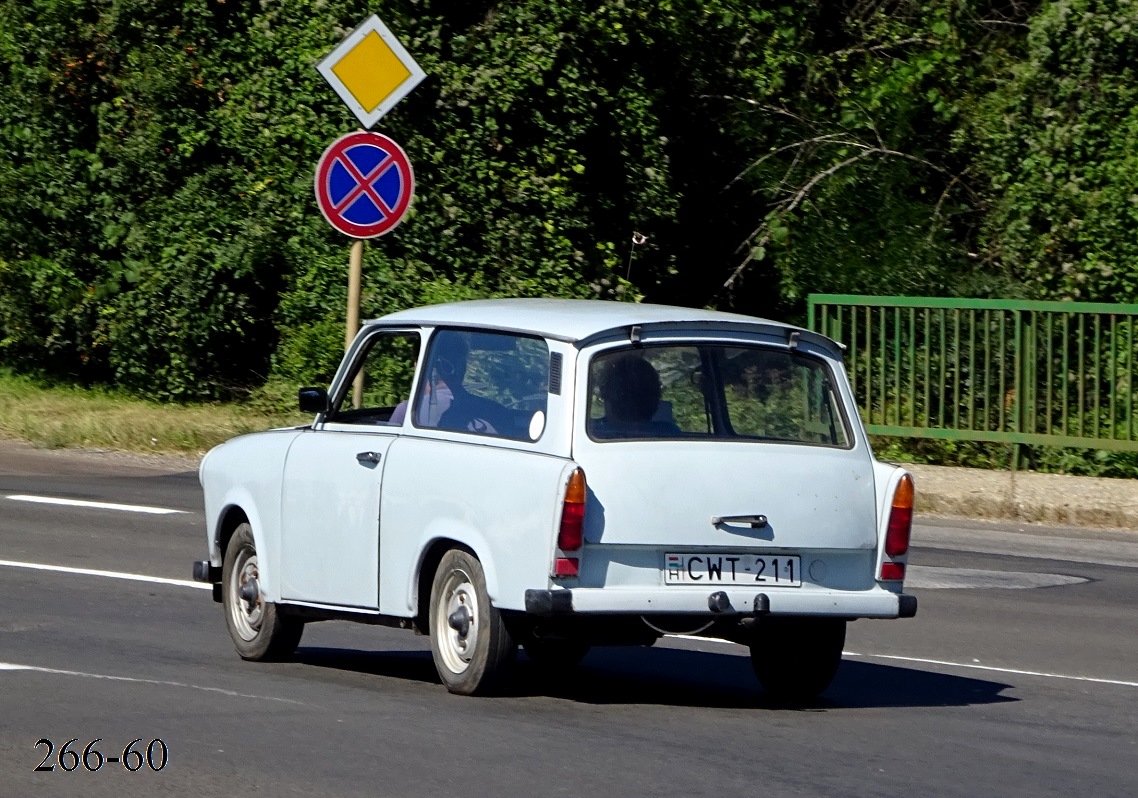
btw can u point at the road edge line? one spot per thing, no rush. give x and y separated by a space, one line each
160 580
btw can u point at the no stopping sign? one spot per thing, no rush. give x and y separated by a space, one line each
364 184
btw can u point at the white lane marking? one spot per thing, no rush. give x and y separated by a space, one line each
11 666
63 569
129 508
930 577
946 663
974 666
699 639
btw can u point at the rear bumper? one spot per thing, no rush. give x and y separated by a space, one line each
205 571
725 603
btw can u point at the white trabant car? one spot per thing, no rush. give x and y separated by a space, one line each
560 474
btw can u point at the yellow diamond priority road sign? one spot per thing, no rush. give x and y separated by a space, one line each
371 71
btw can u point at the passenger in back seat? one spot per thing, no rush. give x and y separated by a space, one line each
630 389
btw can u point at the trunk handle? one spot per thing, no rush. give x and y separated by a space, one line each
753 521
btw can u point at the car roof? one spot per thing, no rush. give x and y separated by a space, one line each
568 319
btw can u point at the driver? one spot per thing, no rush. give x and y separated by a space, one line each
444 402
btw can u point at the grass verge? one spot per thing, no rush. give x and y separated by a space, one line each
57 417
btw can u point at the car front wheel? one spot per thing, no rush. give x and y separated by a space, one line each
259 631
796 658
471 645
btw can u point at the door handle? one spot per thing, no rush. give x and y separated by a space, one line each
367 458
753 521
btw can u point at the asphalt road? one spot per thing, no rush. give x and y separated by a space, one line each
1019 676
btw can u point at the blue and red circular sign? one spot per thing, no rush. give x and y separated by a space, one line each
364 184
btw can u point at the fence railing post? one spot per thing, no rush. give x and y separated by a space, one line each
1017 383
933 391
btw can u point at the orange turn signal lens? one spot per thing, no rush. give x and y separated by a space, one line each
903 496
575 490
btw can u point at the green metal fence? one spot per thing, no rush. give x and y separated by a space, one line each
1018 372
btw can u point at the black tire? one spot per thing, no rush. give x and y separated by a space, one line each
796 658
474 653
259 630
555 656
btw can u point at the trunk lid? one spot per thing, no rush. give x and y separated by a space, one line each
666 493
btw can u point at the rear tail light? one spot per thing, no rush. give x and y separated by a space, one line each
900 519
566 566
898 531
892 571
571 534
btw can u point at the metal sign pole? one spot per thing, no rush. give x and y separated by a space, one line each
355 276
364 181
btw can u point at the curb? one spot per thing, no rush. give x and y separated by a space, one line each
1026 496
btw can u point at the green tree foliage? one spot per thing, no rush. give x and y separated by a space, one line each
862 151
1060 148
157 226
158 222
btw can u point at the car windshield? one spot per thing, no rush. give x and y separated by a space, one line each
716 391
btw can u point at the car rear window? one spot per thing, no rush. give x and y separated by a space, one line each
715 391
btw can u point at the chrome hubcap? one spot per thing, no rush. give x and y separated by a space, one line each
246 607
457 621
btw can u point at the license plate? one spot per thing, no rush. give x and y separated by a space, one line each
777 570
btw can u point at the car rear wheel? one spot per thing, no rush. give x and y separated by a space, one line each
472 648
259 630
796 658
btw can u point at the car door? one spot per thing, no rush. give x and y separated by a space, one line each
483 465
333 476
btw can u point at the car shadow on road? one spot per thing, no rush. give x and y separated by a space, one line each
674 677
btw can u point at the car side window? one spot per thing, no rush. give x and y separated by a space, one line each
381 384
484 383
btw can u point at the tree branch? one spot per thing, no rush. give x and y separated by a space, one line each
772 153
756 104
761 235
886 46
1002 22
787 207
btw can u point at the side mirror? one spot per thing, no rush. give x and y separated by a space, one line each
313 400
